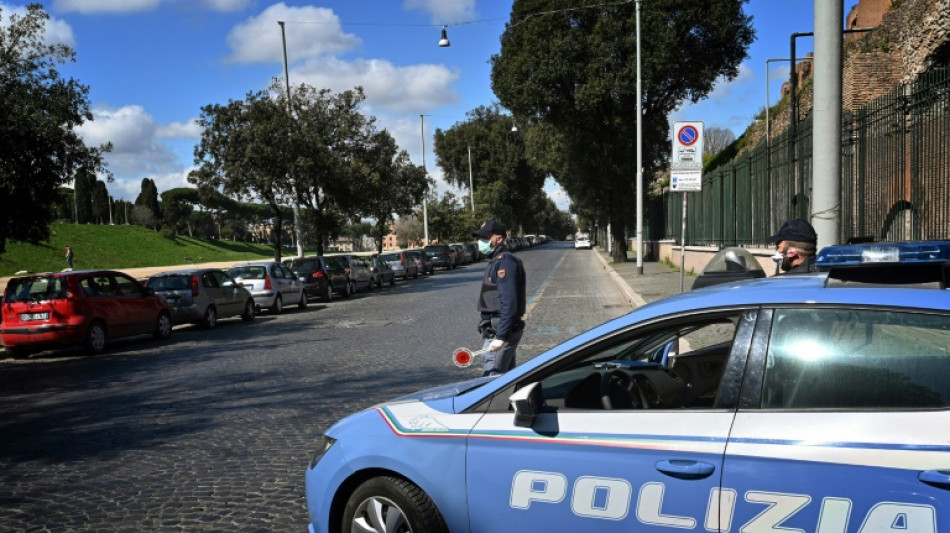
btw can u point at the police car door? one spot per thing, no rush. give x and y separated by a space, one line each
630 438
846 429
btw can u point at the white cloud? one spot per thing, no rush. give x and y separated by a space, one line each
397 89
88 7
57 30
444 11
105 6
310 31
226 5
180 130
136 151
722 90
557 194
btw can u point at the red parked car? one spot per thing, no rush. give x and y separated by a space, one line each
78 307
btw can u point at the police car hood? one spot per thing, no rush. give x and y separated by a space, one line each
442 392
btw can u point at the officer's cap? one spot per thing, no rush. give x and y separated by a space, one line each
795 230
488 229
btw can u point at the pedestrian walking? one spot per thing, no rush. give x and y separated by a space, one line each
501 301
796 242
69 257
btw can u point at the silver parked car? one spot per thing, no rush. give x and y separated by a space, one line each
202 296
272 284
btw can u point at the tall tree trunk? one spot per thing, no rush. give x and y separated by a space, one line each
618 236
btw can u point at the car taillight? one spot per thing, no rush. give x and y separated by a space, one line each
348 270
267 285
194 285
318 274
375 270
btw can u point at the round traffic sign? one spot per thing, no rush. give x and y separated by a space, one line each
688 135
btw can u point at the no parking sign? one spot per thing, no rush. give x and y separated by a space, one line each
686 165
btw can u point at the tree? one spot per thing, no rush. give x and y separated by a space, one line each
39 147
387 184
571 75
241 152
329 134
717 139
85 185
505 182
409 230
148 198
100 203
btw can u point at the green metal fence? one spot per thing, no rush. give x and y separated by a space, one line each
895 179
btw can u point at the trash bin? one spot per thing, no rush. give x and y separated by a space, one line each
730 264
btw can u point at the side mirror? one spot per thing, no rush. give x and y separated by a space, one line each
526 403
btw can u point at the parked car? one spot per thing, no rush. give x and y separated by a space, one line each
381 271
463 254
442 256
271 284
422 259
316 275
473 251
402 265
359 274
800 400
86 307
582 241
202 296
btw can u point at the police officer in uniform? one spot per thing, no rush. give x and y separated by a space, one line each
795 246
501 302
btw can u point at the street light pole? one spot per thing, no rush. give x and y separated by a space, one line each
471 184
639 156
298 223
425 209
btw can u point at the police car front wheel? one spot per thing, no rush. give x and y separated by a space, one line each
391 505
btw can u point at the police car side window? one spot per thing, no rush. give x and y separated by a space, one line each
672 366
857 359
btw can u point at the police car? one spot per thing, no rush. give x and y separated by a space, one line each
816 403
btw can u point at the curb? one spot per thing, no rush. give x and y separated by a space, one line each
632 297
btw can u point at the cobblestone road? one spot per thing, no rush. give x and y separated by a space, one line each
210 431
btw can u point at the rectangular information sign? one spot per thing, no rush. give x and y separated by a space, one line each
686 165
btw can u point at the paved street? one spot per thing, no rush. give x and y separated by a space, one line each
210 430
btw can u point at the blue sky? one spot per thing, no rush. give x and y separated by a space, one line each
151 64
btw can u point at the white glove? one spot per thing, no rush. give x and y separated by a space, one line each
496 345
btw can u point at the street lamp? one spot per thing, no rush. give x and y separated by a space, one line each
471 184
444 41
425 209
639 156
298 223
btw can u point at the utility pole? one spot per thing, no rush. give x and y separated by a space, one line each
298 223
826 137
425 209
471 184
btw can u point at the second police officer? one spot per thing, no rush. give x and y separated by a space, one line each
501 301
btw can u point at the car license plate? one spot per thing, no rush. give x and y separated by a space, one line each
26 317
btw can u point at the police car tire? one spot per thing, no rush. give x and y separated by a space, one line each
398 495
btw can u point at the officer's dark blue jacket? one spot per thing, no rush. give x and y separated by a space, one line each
503 292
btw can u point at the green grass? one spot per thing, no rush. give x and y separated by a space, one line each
119 247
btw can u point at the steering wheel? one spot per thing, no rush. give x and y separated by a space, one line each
617 390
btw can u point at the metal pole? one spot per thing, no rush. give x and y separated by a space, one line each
298 223
471 183
425 209
826 139
111 223
683 249
639 156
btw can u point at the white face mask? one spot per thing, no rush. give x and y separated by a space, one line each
484 246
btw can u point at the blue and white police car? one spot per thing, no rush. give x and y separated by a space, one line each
816 403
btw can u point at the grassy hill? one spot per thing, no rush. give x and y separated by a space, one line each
119 247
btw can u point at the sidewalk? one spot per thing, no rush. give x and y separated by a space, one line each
658 281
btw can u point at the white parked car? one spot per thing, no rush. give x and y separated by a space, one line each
272 284
582 241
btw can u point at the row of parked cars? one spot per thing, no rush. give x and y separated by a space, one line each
88 307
